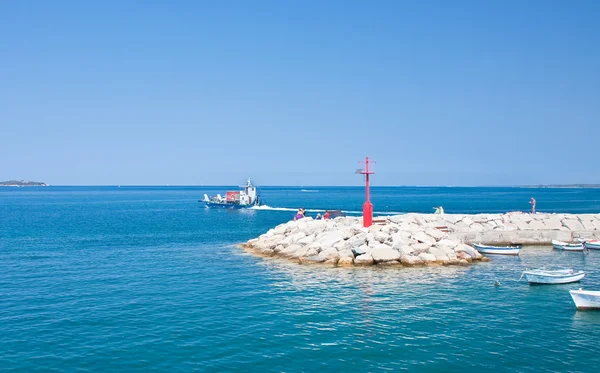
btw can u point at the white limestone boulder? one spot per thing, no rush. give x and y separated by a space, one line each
420 247
440 254
469 250
462 255
370 237
293 251
327 240
404 250
346 254
390 229
409 227
401 236
363 249
311 252
313 259
382 237
435 233
375 228
411 260
364 260
345 262
384 253
357 240
307 240
342 245
424 238
330 254
427 258
447 244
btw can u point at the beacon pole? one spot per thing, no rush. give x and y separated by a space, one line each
367 207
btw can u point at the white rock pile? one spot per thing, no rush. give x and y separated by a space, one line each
415 239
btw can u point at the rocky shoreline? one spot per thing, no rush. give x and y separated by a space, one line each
416 239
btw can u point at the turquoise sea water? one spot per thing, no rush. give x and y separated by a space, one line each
131 279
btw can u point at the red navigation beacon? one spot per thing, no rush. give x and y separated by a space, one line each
367 207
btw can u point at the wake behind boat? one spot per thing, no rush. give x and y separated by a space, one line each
245 198
560 245
499 250
556 276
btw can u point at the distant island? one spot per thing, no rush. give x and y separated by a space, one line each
21 183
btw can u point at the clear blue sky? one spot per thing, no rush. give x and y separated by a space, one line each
297 92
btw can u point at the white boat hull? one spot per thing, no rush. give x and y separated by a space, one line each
556 277
586 300
595 245
483 249
559 245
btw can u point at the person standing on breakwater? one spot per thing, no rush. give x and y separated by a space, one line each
532 201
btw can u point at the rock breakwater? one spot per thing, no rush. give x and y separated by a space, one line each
415 239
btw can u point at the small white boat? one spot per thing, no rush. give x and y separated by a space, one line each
592 244
559 245
556 276
500 250
585 299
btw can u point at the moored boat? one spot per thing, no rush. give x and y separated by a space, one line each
556 276
500 250
592 244
586 299
244 198
560 245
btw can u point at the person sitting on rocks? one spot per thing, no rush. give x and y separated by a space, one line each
326 216
299 215
318 217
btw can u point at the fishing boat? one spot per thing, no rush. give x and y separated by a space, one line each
555 276
592 244
559 245
586 299
244 198
500 250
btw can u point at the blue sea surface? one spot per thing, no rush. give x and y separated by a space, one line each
145 279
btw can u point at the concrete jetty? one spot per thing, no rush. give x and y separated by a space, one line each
416 239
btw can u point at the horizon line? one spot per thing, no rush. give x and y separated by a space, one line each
577 185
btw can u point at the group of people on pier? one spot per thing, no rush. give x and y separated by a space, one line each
302 214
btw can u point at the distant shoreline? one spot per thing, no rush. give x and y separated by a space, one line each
590 186
21 183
